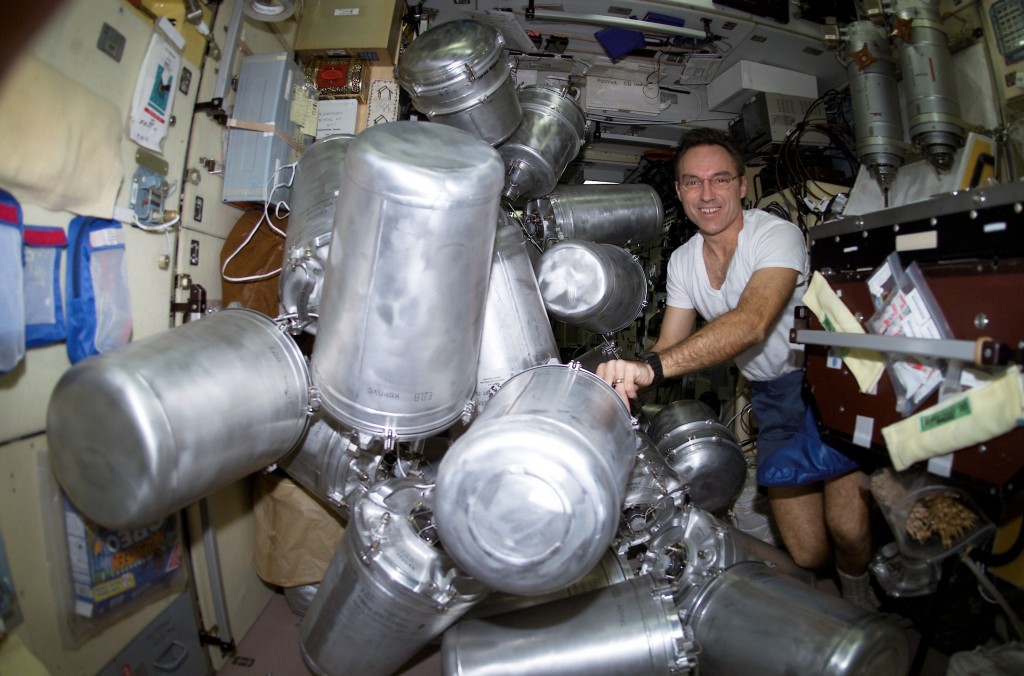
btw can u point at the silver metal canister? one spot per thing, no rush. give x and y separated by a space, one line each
389 588
703 452
138 433
315 189
528 498
517 332
550 135
627 628
403 304
654 495
455 75
621 214
737 617
598 287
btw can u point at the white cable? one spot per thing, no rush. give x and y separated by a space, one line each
252 233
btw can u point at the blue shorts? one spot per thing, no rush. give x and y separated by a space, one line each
790 451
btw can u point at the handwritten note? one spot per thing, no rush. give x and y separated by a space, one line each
336 116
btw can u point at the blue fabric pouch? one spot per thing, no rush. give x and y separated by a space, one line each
44 314
96 283
12 297
790 451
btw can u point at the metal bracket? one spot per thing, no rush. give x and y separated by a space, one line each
206 638
195 308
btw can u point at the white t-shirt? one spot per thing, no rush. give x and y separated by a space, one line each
765 241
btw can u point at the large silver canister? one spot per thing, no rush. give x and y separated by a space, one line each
389 588
455 74
528 498
598 287
402 311
738 616
315 190
627 628
138 433
703 452
517 332
550 135
621 214
613 568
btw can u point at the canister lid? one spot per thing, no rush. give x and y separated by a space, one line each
425 163
450 52
522 508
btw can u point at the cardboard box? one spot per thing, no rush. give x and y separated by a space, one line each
730 90
369 30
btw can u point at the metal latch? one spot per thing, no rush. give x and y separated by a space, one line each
195 307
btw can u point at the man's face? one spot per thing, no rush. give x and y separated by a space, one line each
710 190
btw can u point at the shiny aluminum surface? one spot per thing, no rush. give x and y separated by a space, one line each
739 618
612 569
389 588
528 498
140 432
550 135
620 214
703 452
598 287
517 333
693 547
654 495
402 311
314 193
628 628
455 75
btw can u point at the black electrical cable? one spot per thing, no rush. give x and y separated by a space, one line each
996 559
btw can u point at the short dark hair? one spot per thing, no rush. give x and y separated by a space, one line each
706 136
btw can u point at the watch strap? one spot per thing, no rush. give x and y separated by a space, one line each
654 361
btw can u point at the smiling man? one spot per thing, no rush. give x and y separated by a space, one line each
744 272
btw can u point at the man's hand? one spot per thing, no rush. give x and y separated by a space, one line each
627 377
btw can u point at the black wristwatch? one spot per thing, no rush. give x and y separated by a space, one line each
654 361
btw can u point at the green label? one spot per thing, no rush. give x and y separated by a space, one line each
960 409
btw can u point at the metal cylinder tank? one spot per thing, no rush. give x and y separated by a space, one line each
620 214
529 497
654 495
550 135
627 628
389 589
933 107
598 287
402 310
455 75
517 332
314 192
140 432
703 452
874 95
736 619
613 568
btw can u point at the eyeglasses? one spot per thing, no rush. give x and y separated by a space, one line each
718 182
